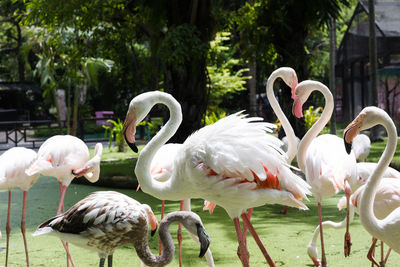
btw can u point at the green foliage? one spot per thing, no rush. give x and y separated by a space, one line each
226 76
311 115
115 131
212 117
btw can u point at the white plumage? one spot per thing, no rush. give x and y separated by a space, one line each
361 146
13 164
233 163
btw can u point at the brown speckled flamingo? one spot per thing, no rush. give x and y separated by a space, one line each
105 220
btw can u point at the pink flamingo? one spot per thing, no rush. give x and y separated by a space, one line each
323 159
232 163
66 157
388 228
13 164
161 170
106 220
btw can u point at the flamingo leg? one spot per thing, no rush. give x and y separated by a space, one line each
323 257
63 189
102 261
370 254
347 238
162 216
8 227
242 251
23 228
387 255
257 239
180 236
382 252
109 260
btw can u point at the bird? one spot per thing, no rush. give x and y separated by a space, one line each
385 202
387 229
66 157
13 164
323 159
232 163
161 169
361 146
105 220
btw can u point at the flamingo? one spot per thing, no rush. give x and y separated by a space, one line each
161 169
323 159
13 164
387 229
232 163
361 146
66 157
106 220
386 201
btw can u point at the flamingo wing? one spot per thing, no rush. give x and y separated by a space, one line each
236 155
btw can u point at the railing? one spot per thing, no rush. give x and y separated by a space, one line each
20 133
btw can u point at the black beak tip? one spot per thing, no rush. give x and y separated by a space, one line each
204 241
348 147
133 147
346 144
153 232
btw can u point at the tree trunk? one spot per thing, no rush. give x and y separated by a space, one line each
187 81
375 135
332 84
252 86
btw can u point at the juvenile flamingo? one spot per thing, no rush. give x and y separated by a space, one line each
13 164
323 159
106 220
232 163
387 229
66 157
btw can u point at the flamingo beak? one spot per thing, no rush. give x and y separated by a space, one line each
351 132
204 239
129 130
294 84
297 108
153 232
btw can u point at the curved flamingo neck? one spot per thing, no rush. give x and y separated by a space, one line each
144 252
161 190
367 216
287 127
317 127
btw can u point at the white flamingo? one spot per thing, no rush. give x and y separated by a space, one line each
66 157
323 159
386 201
361 147
161 170
387 229
233 163
13 164
106 220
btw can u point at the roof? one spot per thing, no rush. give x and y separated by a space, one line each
354 45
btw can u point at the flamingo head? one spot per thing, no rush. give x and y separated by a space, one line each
192 222
365 120
313 254
300 95
91 169
139 107
289 77
152 219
